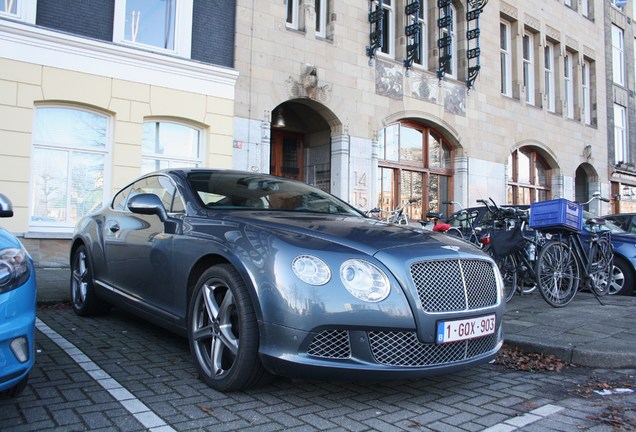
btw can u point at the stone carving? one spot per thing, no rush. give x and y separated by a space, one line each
389 80
308 86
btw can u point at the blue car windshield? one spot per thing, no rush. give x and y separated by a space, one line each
246 191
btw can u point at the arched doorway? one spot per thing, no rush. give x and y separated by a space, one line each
301 143
585 184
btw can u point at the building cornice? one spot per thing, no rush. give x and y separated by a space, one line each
32 44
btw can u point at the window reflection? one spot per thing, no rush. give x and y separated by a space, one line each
150 22
69 156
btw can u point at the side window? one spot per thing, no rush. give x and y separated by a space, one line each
119 202
70 154
163 24
167 144
164 188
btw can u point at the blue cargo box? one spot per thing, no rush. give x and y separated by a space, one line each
557 213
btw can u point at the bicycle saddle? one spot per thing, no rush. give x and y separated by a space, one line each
595 221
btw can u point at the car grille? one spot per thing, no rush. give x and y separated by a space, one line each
330 344
404 349
454 285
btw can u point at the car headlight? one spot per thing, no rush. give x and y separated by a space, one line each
311 270
364 280
14 268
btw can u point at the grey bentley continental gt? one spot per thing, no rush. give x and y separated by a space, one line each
267 276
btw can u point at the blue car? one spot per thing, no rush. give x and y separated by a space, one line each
624 244
17 310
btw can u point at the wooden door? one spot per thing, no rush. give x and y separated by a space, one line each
287 155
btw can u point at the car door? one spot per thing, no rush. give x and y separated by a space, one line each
139 249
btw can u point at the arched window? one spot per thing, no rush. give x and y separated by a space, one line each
166 144
528 177
414 162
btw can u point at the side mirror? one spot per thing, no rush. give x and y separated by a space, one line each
148 204
6 208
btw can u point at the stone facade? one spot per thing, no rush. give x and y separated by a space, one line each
358 96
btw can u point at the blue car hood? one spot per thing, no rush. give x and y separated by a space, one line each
366 235
8 240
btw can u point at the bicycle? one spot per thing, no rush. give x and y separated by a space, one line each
564 259
513 249
465 228
397 216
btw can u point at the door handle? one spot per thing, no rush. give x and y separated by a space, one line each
114 228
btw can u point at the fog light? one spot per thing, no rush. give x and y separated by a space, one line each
20 348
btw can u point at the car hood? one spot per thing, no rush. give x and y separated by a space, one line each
8 240
366 235
624 237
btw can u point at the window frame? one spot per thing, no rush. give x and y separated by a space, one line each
618 55
106 152
25 11
170 159
182 29
422 19
388 31
585 8
568 84
397 167
514 185
451 71
586 91
548 73
505 59
322 14
620 134
528 67
291 14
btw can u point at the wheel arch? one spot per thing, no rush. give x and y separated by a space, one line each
210 260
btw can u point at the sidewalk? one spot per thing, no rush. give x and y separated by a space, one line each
584 332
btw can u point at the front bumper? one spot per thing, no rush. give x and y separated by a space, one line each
17 324
377 354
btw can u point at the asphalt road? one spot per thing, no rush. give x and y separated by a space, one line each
117 373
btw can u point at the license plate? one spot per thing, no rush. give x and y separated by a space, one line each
451 331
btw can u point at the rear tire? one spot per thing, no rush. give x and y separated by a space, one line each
557 273
83 299
602 266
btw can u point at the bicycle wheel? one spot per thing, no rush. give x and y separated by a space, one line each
557 273
508 268
601 266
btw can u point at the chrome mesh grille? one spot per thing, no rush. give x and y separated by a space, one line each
454 285
330 344
403 349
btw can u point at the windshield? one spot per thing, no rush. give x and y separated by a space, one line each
608 225
247 191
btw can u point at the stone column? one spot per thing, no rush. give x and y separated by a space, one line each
340 166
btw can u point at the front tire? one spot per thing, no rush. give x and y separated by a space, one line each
557 273
508 268
223 331
622 278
